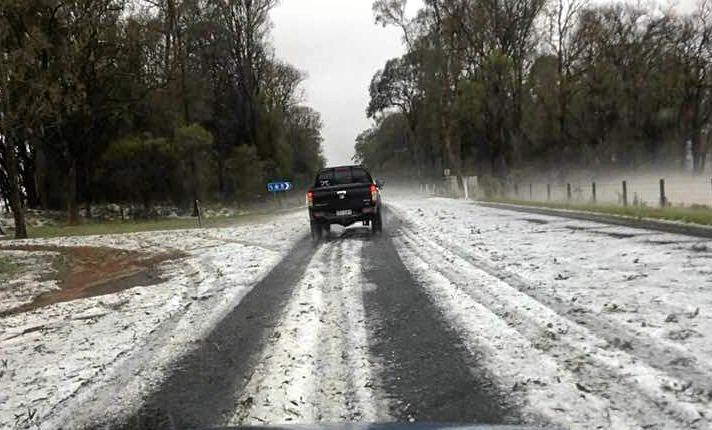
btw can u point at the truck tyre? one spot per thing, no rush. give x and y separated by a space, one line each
327 230
316 231
377 224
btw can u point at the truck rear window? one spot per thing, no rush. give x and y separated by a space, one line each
341 176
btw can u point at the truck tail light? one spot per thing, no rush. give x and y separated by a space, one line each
374 193
310 199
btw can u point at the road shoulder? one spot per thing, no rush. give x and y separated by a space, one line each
643 223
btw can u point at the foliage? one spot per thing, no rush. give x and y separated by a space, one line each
492 87
147 100
245 177
145 169
8 267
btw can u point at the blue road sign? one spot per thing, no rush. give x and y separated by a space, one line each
276 187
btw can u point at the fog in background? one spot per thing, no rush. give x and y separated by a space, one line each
681 188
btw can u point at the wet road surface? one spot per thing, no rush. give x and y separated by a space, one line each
337 332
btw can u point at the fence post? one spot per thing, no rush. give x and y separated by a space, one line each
625 193
531 192
548 192
516 190
568 192
663 199
197 212
593 192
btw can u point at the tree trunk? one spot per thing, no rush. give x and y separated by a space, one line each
221 179
14 190
702 162
194 178
184 89
450 148
452 144
416 155
41 179
27 174
698 152
85 192
72 208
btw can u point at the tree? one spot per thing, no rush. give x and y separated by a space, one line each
696 61
22 105
192 147
560 38
182 85
397 86
615 85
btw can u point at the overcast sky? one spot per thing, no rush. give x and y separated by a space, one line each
338 45
340 48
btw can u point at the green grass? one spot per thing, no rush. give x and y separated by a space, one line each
696 215
8 267
121 227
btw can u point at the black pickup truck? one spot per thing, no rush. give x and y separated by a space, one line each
344 195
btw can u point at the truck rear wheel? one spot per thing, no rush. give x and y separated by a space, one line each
377 224
316 231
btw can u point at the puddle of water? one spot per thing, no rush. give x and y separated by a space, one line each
578 228
596 230
615 235
700 247
535 220
664 242
91 271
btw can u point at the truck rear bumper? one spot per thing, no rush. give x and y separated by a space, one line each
364 214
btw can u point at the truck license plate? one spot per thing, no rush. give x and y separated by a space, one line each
344 212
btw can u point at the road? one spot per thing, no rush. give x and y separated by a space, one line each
458 313
339 332
462 313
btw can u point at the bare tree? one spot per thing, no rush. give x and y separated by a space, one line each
696 57
560 37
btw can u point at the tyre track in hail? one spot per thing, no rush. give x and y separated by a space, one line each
316 367
200 391
577 352
428 373
615 333
338 332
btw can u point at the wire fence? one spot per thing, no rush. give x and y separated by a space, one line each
642 191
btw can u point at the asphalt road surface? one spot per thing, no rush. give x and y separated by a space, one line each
460 313
337 332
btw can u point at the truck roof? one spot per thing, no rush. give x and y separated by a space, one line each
343 167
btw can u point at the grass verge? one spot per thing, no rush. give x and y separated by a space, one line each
8 267
134 226
701 216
